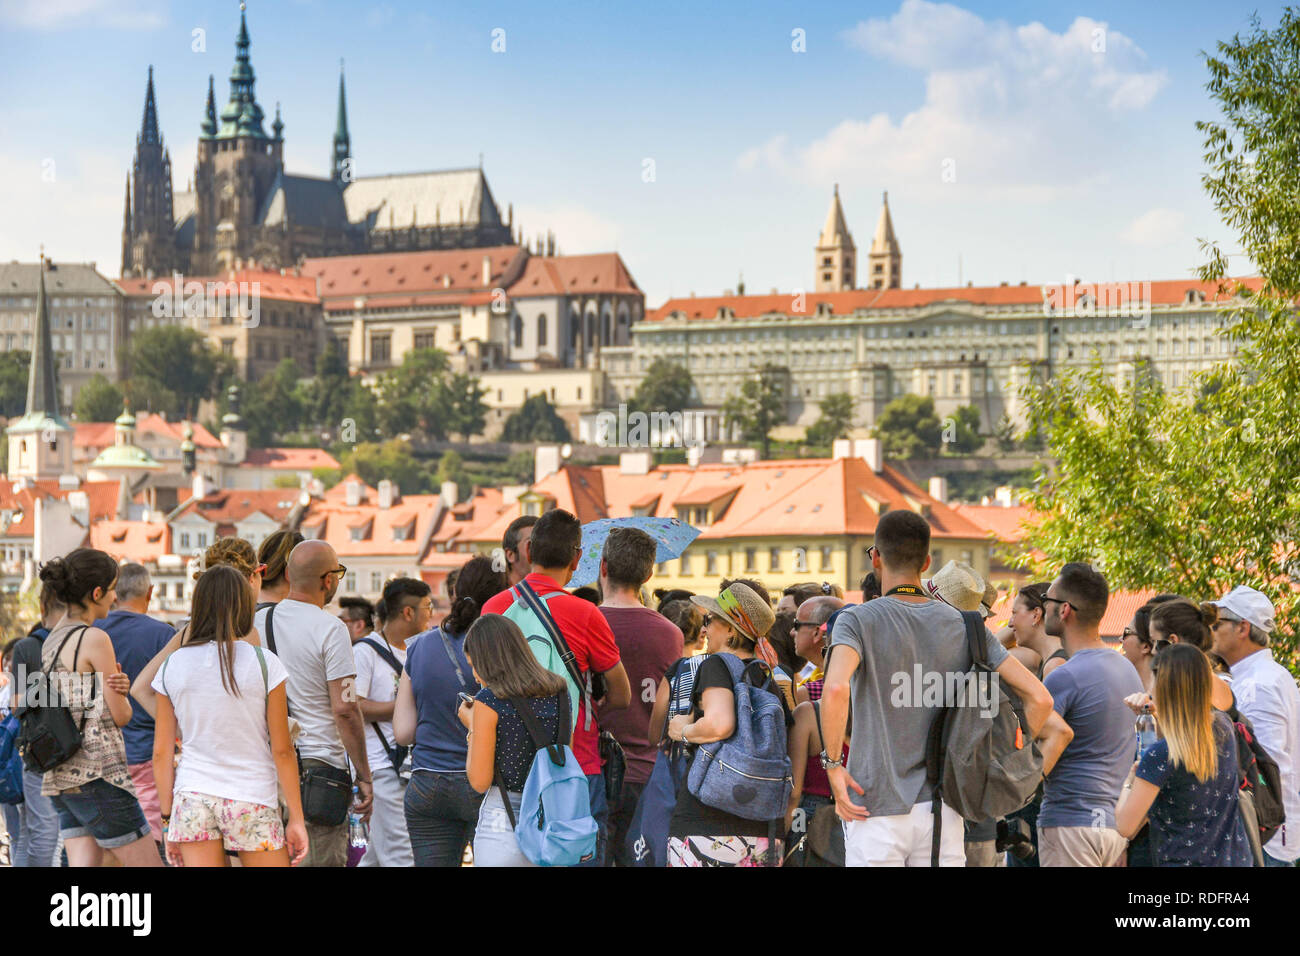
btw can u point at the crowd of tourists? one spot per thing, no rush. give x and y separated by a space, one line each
619 726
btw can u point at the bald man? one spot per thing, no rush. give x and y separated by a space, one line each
315 649
810 642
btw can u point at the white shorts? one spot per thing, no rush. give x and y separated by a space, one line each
904 839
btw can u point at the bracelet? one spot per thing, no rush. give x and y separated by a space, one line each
684 740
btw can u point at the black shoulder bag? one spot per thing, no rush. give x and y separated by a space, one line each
51 736
396 755
326 791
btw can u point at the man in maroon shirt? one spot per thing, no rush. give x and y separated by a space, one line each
649 644
554 549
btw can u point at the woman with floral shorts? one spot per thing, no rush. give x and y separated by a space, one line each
227 700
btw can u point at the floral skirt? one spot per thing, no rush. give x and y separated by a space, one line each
723 851
238 824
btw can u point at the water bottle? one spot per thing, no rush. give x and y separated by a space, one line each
358 830
1146 732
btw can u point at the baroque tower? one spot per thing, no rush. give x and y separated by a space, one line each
885 259
236 168
836 254
148 228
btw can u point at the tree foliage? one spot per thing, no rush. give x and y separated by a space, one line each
373 462
665 387
14 368
759 406
535 421
835 420
1199 492
909 428
961 433
173 368
99 400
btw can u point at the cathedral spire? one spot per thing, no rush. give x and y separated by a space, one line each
242 116
835 252
340 158
836 231
884 240
208 128
149 125
885 257
42 385
126 229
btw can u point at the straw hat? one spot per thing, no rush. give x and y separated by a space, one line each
740 607
957 584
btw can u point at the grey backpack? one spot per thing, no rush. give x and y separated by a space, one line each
982 766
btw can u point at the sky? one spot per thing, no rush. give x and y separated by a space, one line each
701 141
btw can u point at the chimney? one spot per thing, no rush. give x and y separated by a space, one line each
546 461
841 448
870 451
1005 497
69 482
635 463
199 485
353 494
487 271
79 502
386 493
450 494
939 488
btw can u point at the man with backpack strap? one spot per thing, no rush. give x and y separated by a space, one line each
570 637
379 670
1267 695
883 648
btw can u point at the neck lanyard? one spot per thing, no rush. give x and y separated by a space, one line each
910 589
446 644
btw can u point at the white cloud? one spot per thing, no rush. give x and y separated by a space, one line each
77 14
1156 227
1019 111
578 231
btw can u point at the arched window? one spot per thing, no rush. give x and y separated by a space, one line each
541 329
591 329
519 331
575 328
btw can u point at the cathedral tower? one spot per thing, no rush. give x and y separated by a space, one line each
148 228
885 258
836 254
341 156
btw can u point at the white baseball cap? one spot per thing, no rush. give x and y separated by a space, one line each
1250 606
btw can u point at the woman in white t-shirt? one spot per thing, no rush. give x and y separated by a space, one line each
227 699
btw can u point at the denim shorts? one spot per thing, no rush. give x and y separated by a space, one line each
98 809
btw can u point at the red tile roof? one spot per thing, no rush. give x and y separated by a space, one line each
1007 524
290 459
228 507
448 275
101 497
103 434
143 542
1163 292
270 285
331 520
465 523
566 275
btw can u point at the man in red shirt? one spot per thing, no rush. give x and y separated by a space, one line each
554 549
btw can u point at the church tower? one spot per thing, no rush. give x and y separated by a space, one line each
341 156
40 443
148 228
885 258
236 169
836 254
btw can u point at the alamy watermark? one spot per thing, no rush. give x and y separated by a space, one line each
638 429
925 688
1076 299
176 298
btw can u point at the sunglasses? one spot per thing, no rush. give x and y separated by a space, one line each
1052 600
340 571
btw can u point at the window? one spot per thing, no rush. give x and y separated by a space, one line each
519 331
185 540
350 581
381 349
376 580
967 557
684 563
751 560
425 340
774 559
711 562
826 557
541 329
801 560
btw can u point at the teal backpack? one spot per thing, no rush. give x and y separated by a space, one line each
548 645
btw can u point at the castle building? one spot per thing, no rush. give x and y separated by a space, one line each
244 208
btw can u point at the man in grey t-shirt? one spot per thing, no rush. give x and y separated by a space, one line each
897 657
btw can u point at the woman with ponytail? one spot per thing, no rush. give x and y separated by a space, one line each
1186 782
441 807
92 790
227 700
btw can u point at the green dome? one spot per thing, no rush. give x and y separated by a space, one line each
125 456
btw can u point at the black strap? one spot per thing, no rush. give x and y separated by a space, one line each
909 589
534 727
94 685
270 629
396 755
674 683
451 656
539 608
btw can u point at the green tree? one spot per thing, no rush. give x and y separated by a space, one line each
14 368
1005 434
759 406
393 460
465 413
173 368
535 421
835 421
331 390
411 396
274 405
909 428
961 431
451 467
665 387
99 400
1199 496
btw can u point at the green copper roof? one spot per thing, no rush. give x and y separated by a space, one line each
42 382
208 128
124 456
126 419
241 116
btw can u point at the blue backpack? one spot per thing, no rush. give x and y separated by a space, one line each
555 826
748 774
11 761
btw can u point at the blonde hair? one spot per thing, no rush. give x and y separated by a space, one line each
1186 719
231 552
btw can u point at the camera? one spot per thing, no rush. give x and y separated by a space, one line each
1013 837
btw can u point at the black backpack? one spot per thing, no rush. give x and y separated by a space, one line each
50 735
1260 776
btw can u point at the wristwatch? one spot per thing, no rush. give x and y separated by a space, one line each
827 762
